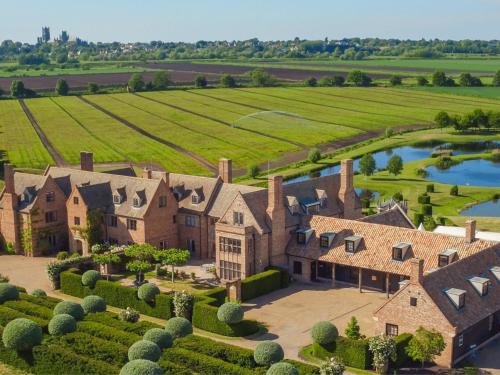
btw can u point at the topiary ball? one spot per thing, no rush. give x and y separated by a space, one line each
324 333
144 349
179 327
62 324
147 292
141 367
21 334
90 278
93 304
38 293
71 308
267 353
160 337
230 313
282 368
8 292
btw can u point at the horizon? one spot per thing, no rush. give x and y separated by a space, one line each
220 20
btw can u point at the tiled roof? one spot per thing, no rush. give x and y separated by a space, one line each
456 276
31 183
225 196
186 185
375 250
394 216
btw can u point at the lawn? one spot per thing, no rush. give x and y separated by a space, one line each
186 285
19 142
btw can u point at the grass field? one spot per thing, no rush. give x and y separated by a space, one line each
481 92
86 69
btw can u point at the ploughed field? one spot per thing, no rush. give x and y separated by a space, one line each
188 131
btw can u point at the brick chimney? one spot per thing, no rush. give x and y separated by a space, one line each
346 192
86 161
417 271
147 173
470 231
8 175
277 215
165 176
9 221
226 170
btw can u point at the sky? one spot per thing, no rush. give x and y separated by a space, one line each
192 20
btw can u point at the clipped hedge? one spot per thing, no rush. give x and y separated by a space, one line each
144 349
107 333
141 366
230 313
118 295
62 324
38 293
160 337
68 307
179 327
111 320
30 308
268 352
93 304
8 292
353 353
261 283
282 368
402 357
21 334
7 314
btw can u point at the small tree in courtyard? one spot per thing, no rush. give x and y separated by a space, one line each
383 349
142 255
425 345
106 258
367 165
352 329
173 258
395 165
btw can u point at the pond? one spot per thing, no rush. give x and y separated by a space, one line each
476 172
489 209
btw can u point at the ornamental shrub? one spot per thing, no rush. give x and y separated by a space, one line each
160 337
282 368
144 349
454 191
324 333
183 304
147 292
71 308
427 209
93 304
383 349
179 327
129 315
62 324
8 292
21 334
90 278
430 188
61 255
267 353
230 313
332 366
141 367
38 293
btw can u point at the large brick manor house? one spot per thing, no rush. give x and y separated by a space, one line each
313 228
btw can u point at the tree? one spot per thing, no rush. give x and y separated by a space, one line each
332 81
173 258
200 81
261 78
358 78
389 132
425 345
496 79
106 258
136 83
352 329
367 165
227 80
253 170
142 255
467 80
422 81
17 89
440 79
62 87
494 119
311 82
443 120
92 88
161 80
383 348
314 155
395 165
395 80
1 91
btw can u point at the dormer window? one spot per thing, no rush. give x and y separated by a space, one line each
456 296
293 205
447 257
352 243
117 199
136 202
326 240
400 250
237 218
480 284
301 238
195 199
303 235
496 272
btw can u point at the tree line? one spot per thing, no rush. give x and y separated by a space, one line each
475 120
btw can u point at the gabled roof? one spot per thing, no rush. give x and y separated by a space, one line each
225 196
185 185
394 216
460 232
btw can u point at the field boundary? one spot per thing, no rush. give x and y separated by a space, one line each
45 141
183 151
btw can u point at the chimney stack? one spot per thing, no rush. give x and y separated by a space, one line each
226 170
417 271
8 175
470 231
277 217
86 161
165 176
147 173
346 192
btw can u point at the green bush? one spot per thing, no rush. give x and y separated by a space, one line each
424 199
90 278
112 320
429 188
147 292
282 368
108 333
117 295
141 367
402 357
267 353
21 334
144 349
160 337
129 315
427 209
93 304
61 255
353 353
8 292
71 308
454 190
30 309
230 313
324 333
418 218
62 324
179 327
7 314
38 293
260 284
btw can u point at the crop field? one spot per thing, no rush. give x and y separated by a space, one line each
481 92
188 131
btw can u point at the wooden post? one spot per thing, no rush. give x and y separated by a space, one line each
360 278
387 284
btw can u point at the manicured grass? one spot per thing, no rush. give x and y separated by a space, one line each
179 285
86 69
19 142
482 92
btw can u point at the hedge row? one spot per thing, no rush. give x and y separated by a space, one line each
263 283
117 295
7 314
205 316
354 353
30 309
48 302
402 357
111 320
107 333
